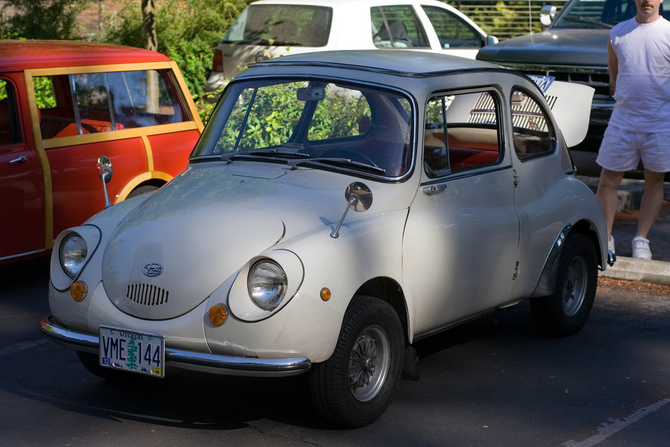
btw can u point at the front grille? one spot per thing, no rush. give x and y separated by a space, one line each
598 78
147 294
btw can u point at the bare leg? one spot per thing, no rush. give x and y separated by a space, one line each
652 201
607 195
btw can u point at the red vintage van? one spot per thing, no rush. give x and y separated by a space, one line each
64 104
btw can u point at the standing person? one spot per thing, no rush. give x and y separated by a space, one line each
639 68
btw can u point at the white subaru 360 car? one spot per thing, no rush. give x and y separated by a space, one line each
339 207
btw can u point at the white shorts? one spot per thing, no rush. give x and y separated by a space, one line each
622 150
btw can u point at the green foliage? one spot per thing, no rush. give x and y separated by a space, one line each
187 30
42 19
45 96
267 117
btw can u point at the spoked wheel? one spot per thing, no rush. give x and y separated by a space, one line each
369 363
354 387
566 311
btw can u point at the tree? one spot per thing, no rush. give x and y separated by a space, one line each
186 31
148 19
42 19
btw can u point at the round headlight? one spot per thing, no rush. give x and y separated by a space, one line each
73 252
266 284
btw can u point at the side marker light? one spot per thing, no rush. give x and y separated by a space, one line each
218 314
78 290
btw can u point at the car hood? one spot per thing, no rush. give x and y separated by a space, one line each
168 255
172 252
567 47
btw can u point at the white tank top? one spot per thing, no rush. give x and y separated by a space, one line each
643 84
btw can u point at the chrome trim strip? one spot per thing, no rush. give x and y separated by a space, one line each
217 364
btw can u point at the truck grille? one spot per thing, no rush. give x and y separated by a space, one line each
598 78
147 294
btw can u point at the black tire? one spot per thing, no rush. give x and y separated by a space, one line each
90 362
142 190
566 311
356 384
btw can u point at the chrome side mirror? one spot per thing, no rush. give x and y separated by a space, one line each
359 197
547 14
105 173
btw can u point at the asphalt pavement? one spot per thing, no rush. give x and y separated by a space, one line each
657 270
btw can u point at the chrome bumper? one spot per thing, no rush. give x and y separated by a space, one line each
217 364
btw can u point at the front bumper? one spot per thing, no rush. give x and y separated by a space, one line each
218 364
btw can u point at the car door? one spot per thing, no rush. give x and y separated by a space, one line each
21 182
461 239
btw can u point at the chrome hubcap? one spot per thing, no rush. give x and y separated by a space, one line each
369 363
574 288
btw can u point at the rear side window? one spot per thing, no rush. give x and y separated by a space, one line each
534 135
472 133
452 31
86 103
297 25
397 27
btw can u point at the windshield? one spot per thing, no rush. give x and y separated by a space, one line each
297 25
312 123
595 13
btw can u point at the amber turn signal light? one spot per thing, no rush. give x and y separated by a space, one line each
325 294
218 314
78 290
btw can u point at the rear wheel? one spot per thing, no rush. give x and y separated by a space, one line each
566 311
354 387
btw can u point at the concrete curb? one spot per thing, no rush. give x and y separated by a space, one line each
655 272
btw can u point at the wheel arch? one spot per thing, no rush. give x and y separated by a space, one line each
387 289
547 281
157 179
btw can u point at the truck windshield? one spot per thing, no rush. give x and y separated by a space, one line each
596 13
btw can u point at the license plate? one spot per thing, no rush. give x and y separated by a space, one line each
132 351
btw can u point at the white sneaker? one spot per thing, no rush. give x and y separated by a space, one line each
641 248
610 245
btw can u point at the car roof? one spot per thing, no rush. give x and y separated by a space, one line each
399 62
358 2
17 55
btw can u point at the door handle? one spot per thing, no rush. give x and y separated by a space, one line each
21 159
433 189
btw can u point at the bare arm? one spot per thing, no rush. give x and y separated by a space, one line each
612 65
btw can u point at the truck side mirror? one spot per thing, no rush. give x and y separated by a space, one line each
547 14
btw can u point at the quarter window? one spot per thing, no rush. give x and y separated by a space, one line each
533 133
472 133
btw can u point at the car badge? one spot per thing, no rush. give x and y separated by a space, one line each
152 269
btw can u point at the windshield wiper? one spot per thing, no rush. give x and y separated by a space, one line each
340 162
271 153
583 19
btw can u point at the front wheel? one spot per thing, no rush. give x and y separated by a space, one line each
354 387
566 311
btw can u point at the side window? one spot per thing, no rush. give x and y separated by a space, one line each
9 118
397 27
87 103
146 98
452 31
533 133
472 133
